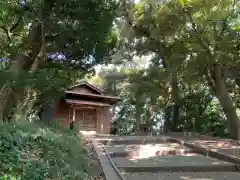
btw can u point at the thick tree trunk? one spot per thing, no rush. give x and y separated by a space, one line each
8 94
227 104
34 42
175 95
216 81
230 112
6 101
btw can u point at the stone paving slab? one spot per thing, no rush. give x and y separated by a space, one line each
183 176
194 160
225 149
133 147
179 166
148 150
114 140
221 147
174 164
125 147
138 141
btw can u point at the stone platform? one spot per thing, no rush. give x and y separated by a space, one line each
172 157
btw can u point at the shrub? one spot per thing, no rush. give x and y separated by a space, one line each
38 151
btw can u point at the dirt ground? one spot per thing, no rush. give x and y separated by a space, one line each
97 172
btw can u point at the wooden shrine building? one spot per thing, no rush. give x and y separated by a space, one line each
88 106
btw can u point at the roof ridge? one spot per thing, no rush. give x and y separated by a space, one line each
84 82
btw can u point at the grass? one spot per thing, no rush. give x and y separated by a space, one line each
40 151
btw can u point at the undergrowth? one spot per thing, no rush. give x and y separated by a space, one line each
40 151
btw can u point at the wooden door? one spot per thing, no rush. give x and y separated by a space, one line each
87 119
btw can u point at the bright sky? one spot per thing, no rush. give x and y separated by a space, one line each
142 62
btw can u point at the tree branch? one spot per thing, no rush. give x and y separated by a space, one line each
7 32
209 79
16 24
131 56
44 14
201 41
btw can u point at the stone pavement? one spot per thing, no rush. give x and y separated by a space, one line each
146 150
174 163
183 176
225 149
171 157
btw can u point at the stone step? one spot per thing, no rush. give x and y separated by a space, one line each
135 154
185 168
137 141
166 149
183 176
196 163
132 147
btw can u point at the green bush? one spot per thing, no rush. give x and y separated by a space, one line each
37 151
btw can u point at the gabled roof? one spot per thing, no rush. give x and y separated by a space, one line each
99 96
82 83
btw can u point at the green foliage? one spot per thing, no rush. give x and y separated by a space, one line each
213 121
58 41
183 39
41 151
194 45
201 113
125 122
75 28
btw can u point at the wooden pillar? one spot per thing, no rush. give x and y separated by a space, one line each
74 114
102 119
98 121
107 122
73 120
69 115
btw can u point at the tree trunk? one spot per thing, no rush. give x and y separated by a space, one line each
175 95
176 100
167 119
150 117
5 101
35 43
216 81
7 92
137 116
